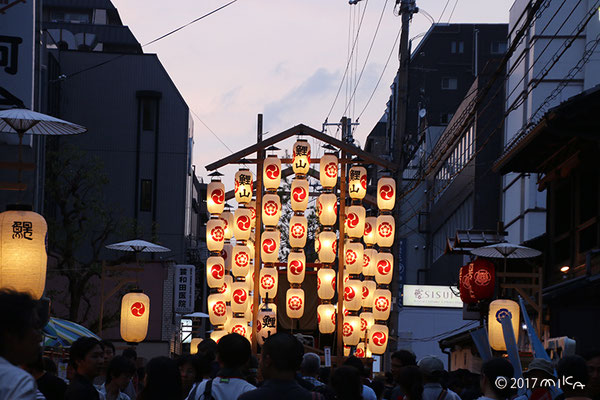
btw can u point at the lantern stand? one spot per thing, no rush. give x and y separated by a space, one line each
340 277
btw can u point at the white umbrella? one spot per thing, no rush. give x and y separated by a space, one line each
139 246
197 314
505 250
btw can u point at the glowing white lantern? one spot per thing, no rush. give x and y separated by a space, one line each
326 283
240 265
382 304
252 207
272 172
227 218
251 248
328 170
386 193
294 301
369 236
351 330
357 183
250 279
326 318
242 223
194 345
215 197
355 221
229 318
500 309
225 290
239 297
370 257
360 351
296 268
269 279
266 324
353 294
385 268
353 257
243 186
327 246
216 335
217 308
366 322
215 235
240 326
248 313
227 254
386 228
327 209
301 154
299 194
215 272
378 338
368 293
271 209
269 247
135 311
298 231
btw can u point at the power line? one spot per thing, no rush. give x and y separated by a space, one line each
443 11
452 13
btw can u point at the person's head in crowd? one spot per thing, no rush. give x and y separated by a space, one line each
400 359
119 372
130 353
250 370
281 356
573 375
49 366
491 371
35 368
355 362
233 351
109 351
346 383
324 374
87 357
411 382
191 372
592 359
208 347
20 329
538 371
432 369
162 380
378 386
311 364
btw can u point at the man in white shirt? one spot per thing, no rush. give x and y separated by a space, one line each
20 337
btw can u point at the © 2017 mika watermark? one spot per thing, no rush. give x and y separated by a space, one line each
533 383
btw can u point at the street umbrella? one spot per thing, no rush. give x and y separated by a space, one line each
62 333
505 250
139 246
196 314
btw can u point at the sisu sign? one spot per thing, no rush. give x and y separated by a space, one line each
432 296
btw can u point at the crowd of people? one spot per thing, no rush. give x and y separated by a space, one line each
228 370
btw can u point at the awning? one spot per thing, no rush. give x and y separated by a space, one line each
62 333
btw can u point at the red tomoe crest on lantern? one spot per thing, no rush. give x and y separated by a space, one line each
269 246
239 296
333 282
365 292
299 194
368 228
363 182
272 171
351 220
218 196
363 324
347 330
244 222
359 352
267 282
138 309
379 339
333 318
223 288
382 303
217 271
296 268
349 293
220 308
295 303
386 192
384 267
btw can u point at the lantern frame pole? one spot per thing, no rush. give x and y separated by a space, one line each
260 155
340 275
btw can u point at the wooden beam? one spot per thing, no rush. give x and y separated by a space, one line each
13 186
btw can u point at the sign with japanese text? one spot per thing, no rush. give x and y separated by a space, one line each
185 293
432 296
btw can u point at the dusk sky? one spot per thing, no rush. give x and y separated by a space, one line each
282 58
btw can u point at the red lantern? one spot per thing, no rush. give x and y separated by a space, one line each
483 279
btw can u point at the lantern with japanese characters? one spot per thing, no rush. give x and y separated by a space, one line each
385 230
355 221
370 257
327 209
268 282
301 154
215 234
298 231
351 330
299 194
328 170
378 337
135 311
215 272
382 304
369 236
242 223
500 309
384 269
271 209
269 246
294 301
272 173
357 183
353 257
326 318
240 265
266 323
217 308
328 246
239 297
227 218
215 197
296 268
386 193
368 293
326 283
353 294
243 186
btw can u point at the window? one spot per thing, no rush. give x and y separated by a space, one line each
148 114
70 16
146 195
445 118
461 47
498 47
449 83
453 47
457 160
457 47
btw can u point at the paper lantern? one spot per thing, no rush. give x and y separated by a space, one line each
378 338
327 246
368 293
250 279
385 231
382 304
227 254
242 223
227 218
355 221
384 269
240 265
23 258
243 186
266 324
216 335
135 311
386 193
272 172
326 283
239 297
296 266
328 170
500 309
225 290
326 318
251 248
360 351
301 157
240 326
357 183
298 231
269 279
483 279
215 272
370 257
353 257
269 246
366 322
271 209
369 236
217 308
353 294
248 313
194 345
215 234
327 209
299 194
252 207
215 197
294 301
465 276
229 318
351 330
